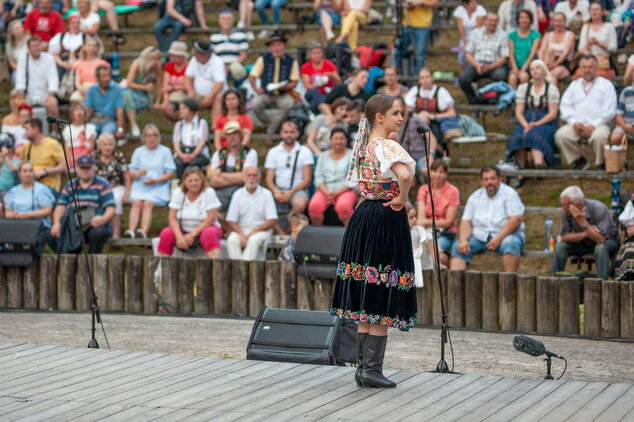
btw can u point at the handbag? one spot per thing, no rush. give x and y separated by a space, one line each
196 241
67 84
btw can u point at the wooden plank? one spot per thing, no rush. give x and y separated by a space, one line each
116 282
83 291
547 304
569 305
3 287
134 283
508 301
29 286
288 286
436 305
627 309
272 284
456 298
48 282
67 277
100 277
186 271
14 287
490 306
526 401
473 299
424 299
592 306
305 299
610 309
151 281
239 287
621 409
600 403
322 292
547 404
526 303
203 303
222 286
567 408
168 291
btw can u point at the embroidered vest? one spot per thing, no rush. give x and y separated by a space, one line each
268 76
240 157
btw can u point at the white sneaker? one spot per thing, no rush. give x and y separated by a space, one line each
241 25
135 131
250 36
122 141
264 34
141 234
128 233
330 35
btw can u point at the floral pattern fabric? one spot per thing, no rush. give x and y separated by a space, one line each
114 169
362 316
372 275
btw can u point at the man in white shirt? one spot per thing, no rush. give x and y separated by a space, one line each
227 164
289 171
492 220
509 10
588 106
571 8
205 77
251 216
37 76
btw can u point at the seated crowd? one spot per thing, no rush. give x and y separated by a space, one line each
220 195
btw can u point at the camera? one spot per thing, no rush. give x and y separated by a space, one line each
6 140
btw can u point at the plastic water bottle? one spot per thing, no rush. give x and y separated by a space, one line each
549 237
616 193
116 73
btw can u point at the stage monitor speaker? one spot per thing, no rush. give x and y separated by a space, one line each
20 241
317 251
291 335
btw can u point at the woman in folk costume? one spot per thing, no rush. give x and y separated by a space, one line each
375 273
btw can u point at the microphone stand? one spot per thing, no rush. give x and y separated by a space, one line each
94 305
442 366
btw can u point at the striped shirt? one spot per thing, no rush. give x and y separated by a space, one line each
625 105
97 195
229 46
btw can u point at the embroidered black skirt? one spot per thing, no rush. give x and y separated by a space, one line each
375 273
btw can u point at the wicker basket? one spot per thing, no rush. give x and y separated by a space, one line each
615 158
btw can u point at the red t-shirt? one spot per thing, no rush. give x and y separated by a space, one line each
176 77
449 195
44 26
244 120
327 66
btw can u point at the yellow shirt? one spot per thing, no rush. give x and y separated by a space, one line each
418 17
44 156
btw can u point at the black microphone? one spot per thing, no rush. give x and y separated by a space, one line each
422 129
55 120
532 347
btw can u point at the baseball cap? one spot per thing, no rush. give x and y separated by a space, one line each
85 161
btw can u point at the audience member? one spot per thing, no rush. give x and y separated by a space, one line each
10 11
46 155
177 17
173 90
151 170
469 15
446 206
233 110
354 113
16 45
205 77
189 138
414 142
107 7
321 127
629 71
276 6
330 181
112 166
245 9
587 106
251 217
353 90
37 77
557 49
536 109
192 217
296 222
144 74
624 262
327 16
230 44
89 20
86 68
509 10
486 55
422 246
278 73
8 166
545 9
599 39
44 22
392 85
29 199
13 123
523 46
93 194
79 136
624 120
587 227
104 103
417 20
228 163
65 46
576 11
319 76
492 220
355 14
289 171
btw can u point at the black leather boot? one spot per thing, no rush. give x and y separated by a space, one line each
372 375
362 343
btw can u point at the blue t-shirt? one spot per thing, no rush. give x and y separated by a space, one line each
23 200
107 103
98 195
8 179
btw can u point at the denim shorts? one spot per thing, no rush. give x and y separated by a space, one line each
336 18
512 244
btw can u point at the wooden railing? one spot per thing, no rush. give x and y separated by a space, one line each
477 300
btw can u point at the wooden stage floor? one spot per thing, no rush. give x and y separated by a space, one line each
63 383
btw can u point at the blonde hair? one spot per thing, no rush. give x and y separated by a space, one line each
12 40
105 137
83 51
145 61
188 172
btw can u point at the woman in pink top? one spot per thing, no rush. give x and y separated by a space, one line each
446 204
557 49
85 67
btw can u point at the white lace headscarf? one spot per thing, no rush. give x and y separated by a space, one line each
358 152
